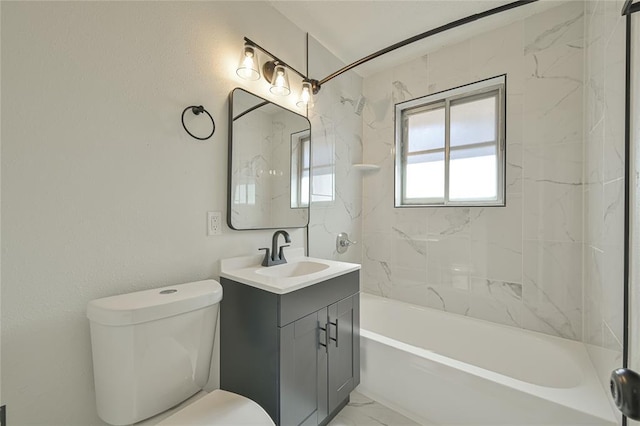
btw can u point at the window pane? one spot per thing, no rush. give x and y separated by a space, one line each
323 169
304 188
426 130
473 174
322 187
473 122
425 176
300 144
305 152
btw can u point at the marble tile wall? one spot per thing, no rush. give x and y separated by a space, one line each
256 210
284 125
521 264
336 127
604 173
604 183
262 170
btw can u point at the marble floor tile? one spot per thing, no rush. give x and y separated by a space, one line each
363 411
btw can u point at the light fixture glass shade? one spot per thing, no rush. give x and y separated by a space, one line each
248 65
306 96
280 83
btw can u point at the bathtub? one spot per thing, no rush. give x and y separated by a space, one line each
440 368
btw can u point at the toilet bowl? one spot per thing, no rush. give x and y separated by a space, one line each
220 408
152 350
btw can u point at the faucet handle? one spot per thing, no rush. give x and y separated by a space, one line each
343 242
267 256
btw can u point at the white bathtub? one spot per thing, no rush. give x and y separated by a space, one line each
447 369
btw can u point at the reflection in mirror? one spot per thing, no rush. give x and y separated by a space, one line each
269 164
323 170
300 167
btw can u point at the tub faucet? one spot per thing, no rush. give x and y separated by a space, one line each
271 258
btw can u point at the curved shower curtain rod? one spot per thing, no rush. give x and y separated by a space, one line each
317 84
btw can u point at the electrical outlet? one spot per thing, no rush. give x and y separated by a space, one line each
214 223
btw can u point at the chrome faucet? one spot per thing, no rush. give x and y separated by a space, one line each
270 257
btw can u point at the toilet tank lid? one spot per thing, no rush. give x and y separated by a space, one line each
149 305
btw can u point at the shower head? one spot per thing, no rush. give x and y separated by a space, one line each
358 104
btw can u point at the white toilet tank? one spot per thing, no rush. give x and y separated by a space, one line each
152 349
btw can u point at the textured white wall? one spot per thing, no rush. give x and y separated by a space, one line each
102 190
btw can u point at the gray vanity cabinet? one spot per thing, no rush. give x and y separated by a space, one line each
295 354
344 375
303 362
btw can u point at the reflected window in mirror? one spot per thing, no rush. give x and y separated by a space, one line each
262 190
300 169
323 165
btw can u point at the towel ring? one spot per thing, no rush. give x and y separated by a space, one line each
197 110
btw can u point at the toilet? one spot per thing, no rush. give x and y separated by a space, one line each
152 350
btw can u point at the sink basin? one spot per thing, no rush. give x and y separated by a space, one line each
294 269
300 271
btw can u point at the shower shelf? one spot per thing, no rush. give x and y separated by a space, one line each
366 167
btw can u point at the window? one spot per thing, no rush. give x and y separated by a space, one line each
450 147
321 169
300 166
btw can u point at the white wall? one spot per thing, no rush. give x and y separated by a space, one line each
521 264
102 190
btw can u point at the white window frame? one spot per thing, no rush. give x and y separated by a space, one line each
444 99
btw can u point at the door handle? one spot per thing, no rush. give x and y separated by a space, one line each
335 324
625 390
326 343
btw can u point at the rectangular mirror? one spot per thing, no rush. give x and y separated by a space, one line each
269 164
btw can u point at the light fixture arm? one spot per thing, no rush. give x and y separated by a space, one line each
276 60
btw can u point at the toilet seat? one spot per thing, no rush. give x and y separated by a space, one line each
220 408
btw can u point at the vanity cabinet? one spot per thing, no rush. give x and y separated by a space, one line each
296 354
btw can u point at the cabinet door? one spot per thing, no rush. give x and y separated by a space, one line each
303 369
344 349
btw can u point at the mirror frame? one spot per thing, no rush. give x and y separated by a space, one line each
230 164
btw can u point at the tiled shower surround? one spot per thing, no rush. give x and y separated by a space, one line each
604 174
521 264
337 130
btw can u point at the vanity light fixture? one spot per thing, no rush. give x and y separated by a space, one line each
279 80
276 72
306 96
248 65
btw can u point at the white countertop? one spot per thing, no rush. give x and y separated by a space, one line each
247 270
